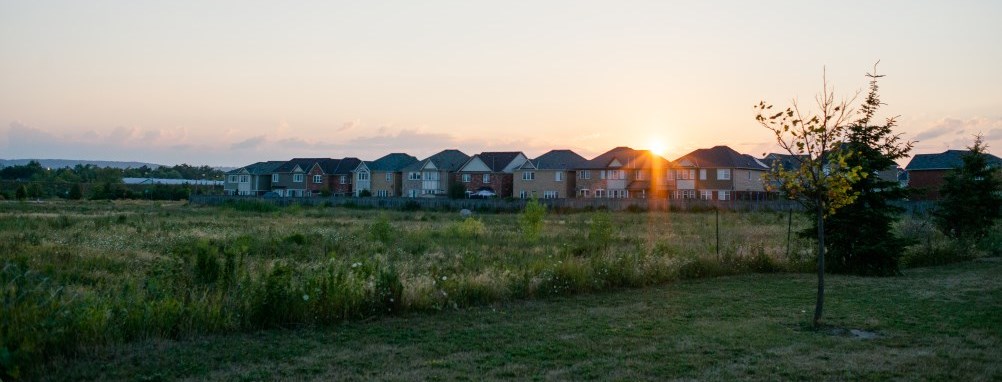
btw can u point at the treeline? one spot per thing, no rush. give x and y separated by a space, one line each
33 171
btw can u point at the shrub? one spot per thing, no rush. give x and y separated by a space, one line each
468 228
381 230
532 219
411 206
600 230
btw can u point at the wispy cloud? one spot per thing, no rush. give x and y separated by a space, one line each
249 143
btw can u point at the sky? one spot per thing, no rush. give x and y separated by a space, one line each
229 83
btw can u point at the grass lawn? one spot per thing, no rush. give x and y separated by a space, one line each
940 323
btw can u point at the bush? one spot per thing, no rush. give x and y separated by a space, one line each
457 191
411 206
381 230
468 228
600 230
532 219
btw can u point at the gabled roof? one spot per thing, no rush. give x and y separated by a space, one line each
338 166
556 160
786 161
720 157
391 162
496 161
947 160
625 157
445 160
304 163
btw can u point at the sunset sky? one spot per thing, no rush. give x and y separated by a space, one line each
233 82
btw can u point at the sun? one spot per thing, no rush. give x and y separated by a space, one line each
657 147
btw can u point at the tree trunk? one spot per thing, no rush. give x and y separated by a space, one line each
819 306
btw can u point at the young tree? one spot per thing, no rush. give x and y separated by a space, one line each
823 181
859 235
970 201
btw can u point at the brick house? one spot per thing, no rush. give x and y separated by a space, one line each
432 176
719 173
549 176
623 173
383 176
927 172
490 171
289 179
253 179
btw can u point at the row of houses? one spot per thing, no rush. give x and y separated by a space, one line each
717 173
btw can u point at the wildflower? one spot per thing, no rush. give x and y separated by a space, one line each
306 297
355 265
444 278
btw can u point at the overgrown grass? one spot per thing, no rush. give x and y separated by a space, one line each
77 275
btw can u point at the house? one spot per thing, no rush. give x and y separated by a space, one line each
927 172
382 177
333 176
623 173
549 176
490 171
433 175
253 179
289 179
719 173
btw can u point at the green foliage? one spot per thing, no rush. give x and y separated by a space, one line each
600 230
531 219
21 193
859 236
365 194
468 228
250 206
75 193
381 230
971 200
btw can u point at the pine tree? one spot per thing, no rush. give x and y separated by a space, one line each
970 203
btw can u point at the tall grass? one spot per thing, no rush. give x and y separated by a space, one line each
76 275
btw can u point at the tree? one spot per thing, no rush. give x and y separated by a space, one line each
823 181
21 193
970 201
457 191
532 219
859 235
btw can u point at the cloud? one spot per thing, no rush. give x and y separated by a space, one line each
249 143
994 134
942 128
348 126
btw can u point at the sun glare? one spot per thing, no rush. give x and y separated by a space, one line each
657 147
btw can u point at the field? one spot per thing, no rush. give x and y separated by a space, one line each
118 275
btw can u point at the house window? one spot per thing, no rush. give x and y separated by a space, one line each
344 179
586 174
318 179
466 178
601 174
723 174
487 178
638 175
528 175
558 176
585 192
298 178
549 194
669 174
599 193
274 178
414 176
412 193
723 195
363 175
382 193
389 177
702 174
706 194
244 179
233 178
749 175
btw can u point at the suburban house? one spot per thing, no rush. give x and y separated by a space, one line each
719 173
622 173
490 172
289 179
382 177
433 175
333 176
927 172
253 179
549 176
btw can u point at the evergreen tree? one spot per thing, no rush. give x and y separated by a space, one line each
859 235
21 193
970 203
76 192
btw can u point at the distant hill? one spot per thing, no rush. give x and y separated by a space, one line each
60 163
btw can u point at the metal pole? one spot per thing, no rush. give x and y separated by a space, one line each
789 231
717 210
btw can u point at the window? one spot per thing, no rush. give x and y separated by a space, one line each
528 175
364 175
466 178
274 178
523 194
669 174
549 194
749 175
723 195
382 193
601 174
558 176
318 179
389 177
599 193
414 176
487 178
723 174
586 174
344 179
585 192
617 174
706 194
233 178
298 178
702 174
412 193
244 179
638 175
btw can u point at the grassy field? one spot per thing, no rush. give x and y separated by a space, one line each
938 323
80 276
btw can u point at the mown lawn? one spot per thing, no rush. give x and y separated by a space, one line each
940 323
